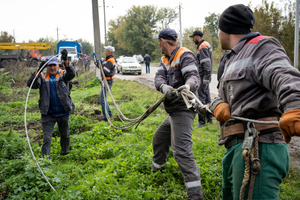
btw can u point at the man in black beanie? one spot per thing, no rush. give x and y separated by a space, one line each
258 83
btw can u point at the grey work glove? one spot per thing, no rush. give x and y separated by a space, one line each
205 83
183 87
167 90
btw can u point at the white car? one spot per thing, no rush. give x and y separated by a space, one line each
128 65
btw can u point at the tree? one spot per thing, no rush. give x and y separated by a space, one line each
138 29
165 17
275 22
210 34
87 48
116 37
267 19
211 23
52 42
187 41
132 33
287 31
5 37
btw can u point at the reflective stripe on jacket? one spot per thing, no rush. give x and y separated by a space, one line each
204 58
258 79
109 68
177 70
61 79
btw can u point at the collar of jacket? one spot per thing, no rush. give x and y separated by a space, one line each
108 57
58 72
199 43
173 53
243 41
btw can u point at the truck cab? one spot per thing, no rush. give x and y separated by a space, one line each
72 54
73 48
34 53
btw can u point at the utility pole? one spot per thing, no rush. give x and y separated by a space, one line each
14 35
97 39
296 45
104 14
96 24
180 24
57 34
104 23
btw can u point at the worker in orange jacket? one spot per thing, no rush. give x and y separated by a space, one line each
204 60
109 69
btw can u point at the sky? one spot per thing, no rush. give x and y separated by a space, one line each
72 19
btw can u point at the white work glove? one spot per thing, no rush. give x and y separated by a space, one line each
167 90
183 87
205 83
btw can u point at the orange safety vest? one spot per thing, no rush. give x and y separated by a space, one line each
204 44
47 77
112 60
176 60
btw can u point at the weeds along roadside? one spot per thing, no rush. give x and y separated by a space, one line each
104 163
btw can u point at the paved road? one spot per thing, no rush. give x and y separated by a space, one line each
149 78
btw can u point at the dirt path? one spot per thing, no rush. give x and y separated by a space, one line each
294 148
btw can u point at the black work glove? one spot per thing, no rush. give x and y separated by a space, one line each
42 66
64 55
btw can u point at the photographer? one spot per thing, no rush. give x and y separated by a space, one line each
55 102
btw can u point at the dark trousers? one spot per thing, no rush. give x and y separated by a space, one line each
176 131
103 102
147 68
204 97
48 123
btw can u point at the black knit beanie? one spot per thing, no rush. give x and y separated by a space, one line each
237 19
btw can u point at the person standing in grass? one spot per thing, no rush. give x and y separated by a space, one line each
177 70
204 60
55 102
109 69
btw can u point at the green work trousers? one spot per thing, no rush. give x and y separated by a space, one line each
274 167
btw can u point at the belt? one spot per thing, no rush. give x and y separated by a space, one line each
235 129
268 136
109 78
232 142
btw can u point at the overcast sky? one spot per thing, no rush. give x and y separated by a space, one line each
34 19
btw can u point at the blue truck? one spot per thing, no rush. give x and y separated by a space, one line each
74 50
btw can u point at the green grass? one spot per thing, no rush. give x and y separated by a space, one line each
104 163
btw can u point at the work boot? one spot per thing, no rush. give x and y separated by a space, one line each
209 118
201 120
156 167
199 125
195 193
